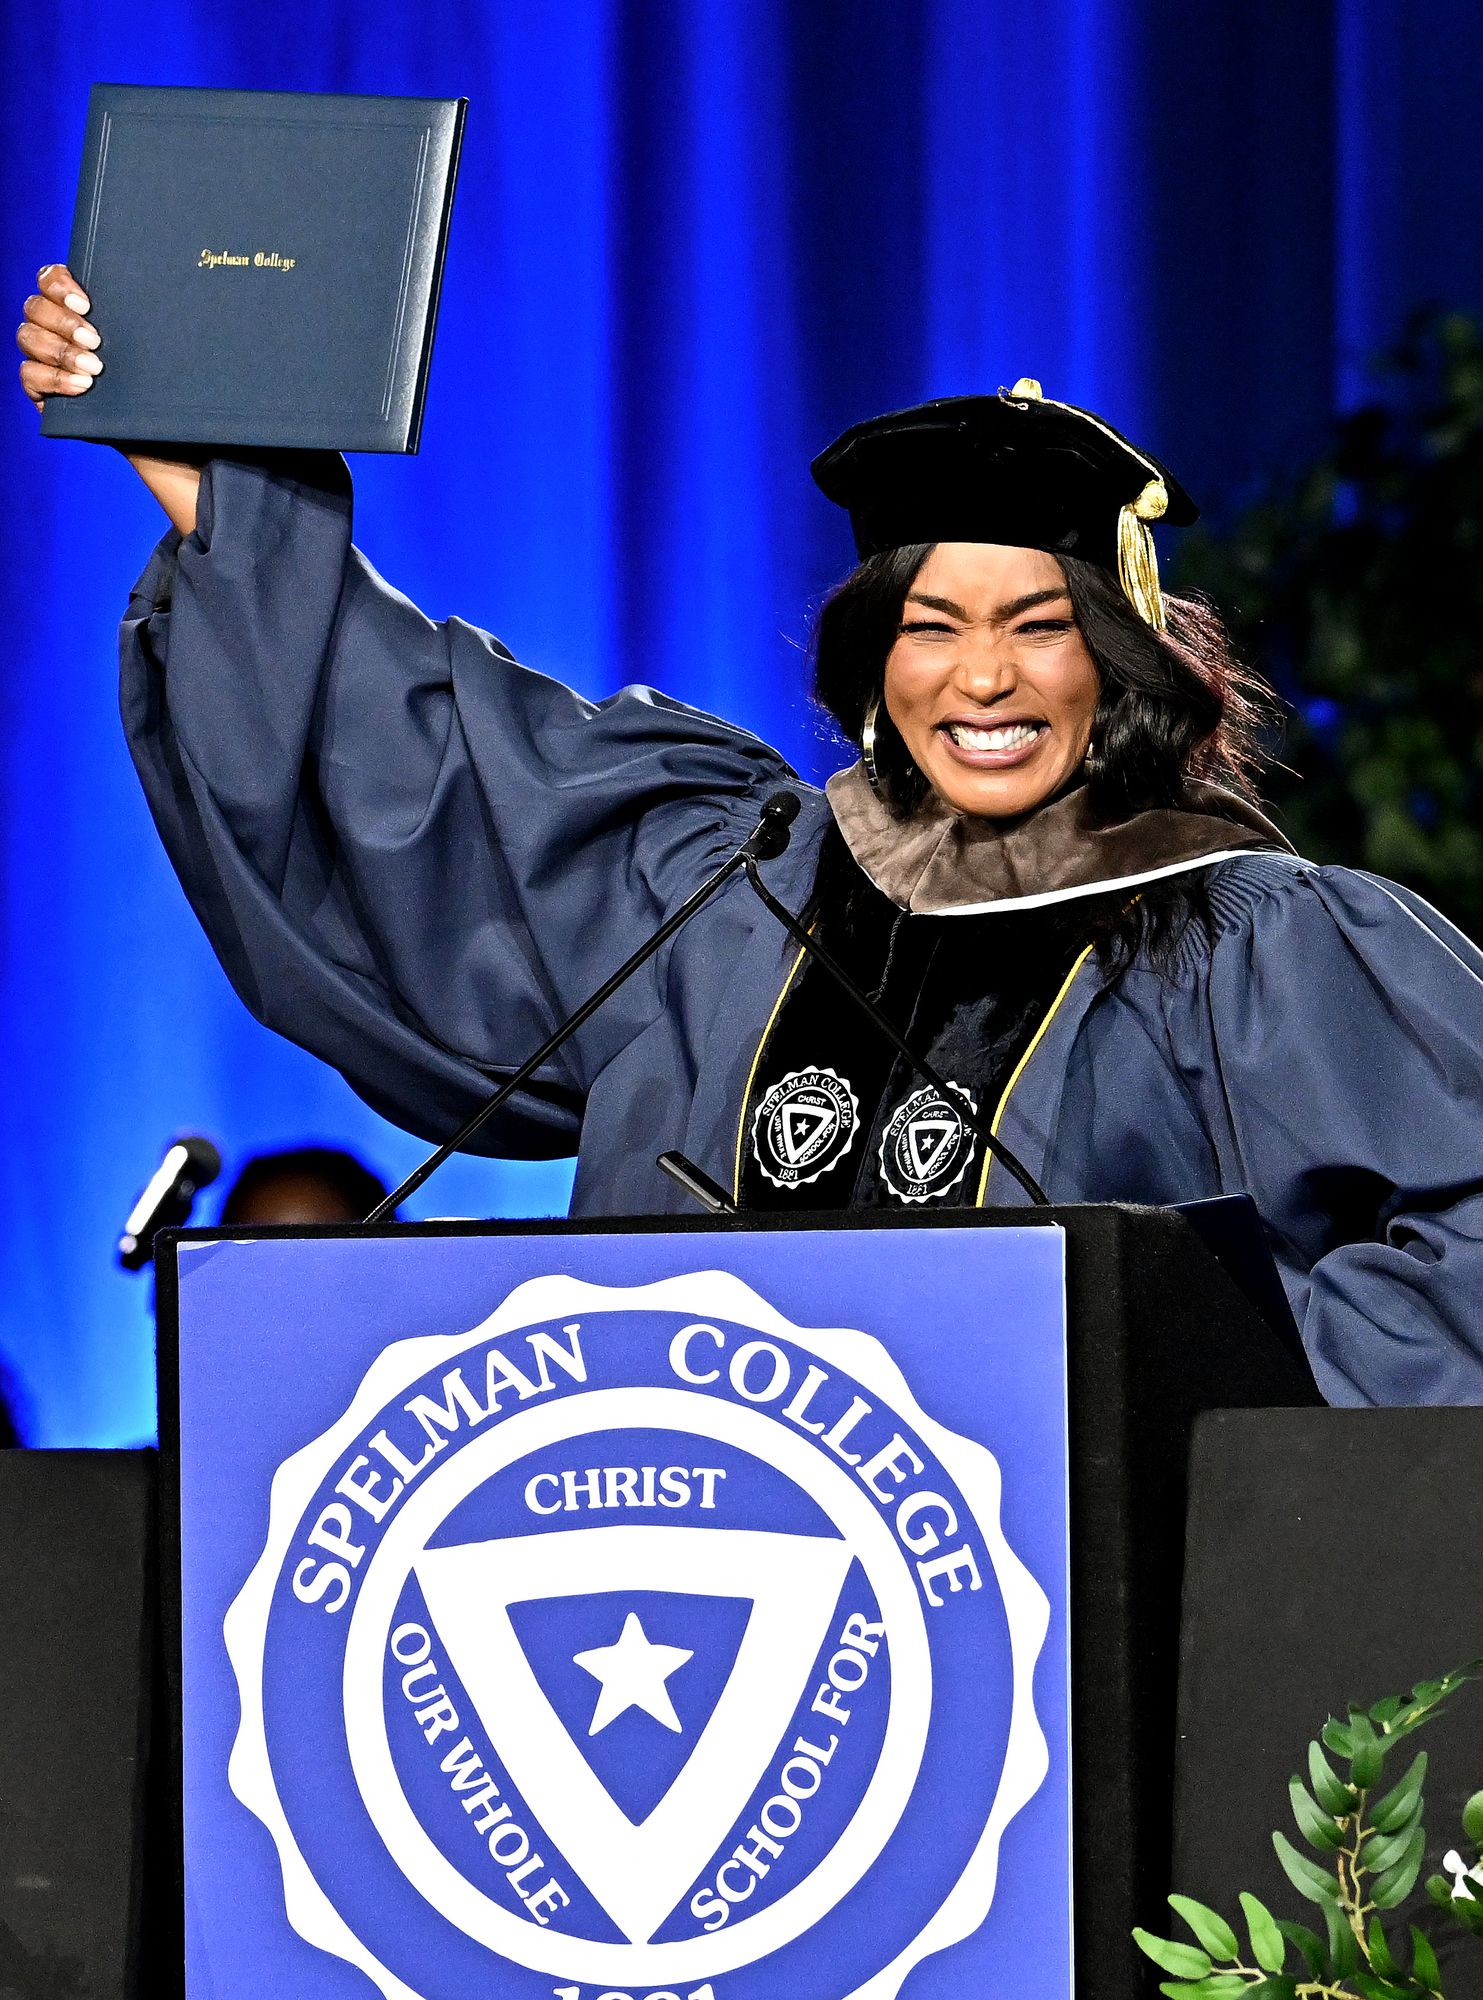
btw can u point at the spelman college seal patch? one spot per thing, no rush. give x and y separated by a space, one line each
804 1126
636 1643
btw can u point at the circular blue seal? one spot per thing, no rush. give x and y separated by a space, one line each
636 1640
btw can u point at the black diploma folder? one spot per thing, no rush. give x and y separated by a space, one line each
263 266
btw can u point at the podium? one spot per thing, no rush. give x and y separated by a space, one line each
884 1475
736 1608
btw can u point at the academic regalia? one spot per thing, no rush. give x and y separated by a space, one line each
413 856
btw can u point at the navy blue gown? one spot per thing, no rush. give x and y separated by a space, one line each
413 856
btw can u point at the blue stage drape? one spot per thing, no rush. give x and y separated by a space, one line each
692 241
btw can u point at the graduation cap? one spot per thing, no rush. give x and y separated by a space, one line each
1013 468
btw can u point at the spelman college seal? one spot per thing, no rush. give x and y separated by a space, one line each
636 1643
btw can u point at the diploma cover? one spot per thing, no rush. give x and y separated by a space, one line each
263 266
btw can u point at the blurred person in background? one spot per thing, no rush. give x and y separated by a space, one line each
301 1185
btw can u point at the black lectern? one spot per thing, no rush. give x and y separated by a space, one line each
482 1605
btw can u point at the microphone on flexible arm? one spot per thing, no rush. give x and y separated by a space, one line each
189 1165
768 838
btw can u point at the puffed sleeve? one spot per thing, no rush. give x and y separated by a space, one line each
1347 1026
411 855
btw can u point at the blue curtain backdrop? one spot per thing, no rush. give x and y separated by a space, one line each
692 241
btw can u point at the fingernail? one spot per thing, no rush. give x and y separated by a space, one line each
75 302
89 364
85 336
77 382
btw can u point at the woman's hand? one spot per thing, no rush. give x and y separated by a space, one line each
62 359
59 344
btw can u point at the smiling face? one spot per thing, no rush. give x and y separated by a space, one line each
990 683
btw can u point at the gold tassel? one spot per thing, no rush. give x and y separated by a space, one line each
1137 564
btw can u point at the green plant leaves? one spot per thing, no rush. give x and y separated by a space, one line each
1382 1959
1306 1876
1330 1813
1183 1959
1366 1764
1395 1883
1338 1738
1440 1890
1209 1927
1422 1703
1328 1787
1268 1945
1316 1827
1309 1943
1382 1852
1424 1961
1374 1988
1395 1809
1343 1946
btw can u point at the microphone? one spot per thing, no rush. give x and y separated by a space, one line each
975 1120
770 836
767 840
188 1166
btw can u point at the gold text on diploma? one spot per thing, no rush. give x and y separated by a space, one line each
260 260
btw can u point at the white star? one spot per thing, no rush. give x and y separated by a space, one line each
632 1671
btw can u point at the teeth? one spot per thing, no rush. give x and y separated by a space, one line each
1013 738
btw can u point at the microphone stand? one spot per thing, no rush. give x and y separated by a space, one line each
767 839
975 1120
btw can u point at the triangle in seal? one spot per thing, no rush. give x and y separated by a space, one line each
637 1871
928 1143
801 1124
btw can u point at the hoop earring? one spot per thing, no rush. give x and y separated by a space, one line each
867 747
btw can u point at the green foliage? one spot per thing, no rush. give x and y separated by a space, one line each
1356 584
1424 1962
1368 1853
1399 1808
1268 1945
1316 1883
1315 1952
1211 1929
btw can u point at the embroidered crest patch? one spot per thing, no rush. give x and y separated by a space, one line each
804 1125
927 1145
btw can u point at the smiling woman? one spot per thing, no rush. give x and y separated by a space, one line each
415 857
990 683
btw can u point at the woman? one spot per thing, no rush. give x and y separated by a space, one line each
414 857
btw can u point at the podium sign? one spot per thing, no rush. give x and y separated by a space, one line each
624 1615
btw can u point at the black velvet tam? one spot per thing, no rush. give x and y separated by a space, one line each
1011 468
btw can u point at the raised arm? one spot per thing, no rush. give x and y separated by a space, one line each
411 854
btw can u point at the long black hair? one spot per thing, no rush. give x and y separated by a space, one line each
1175 706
